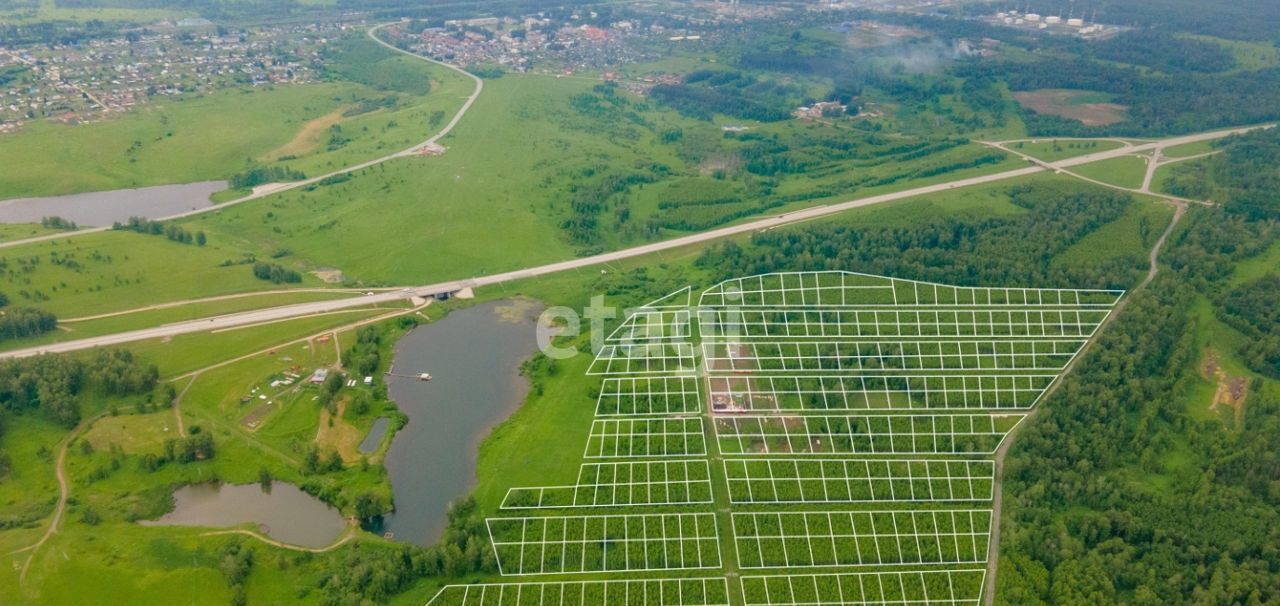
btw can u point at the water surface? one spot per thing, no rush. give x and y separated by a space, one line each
474 358
102 208
284 513
374 437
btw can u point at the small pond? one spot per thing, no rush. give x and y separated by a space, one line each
102 208
284 512
374 437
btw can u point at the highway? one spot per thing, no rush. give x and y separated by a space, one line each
285 312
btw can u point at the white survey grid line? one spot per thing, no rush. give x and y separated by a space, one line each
770 392
748 435
793 481
673 300
651 324
617 484
629 437
657 357
903 356
837 284
588 550
898 588
648 395
748 323
823 539
696 591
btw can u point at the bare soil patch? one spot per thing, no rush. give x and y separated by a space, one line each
1069 104
309 138
1231 391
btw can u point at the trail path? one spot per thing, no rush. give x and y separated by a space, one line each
997 504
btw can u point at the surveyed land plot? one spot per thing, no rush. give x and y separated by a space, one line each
645 396
638 592
631 483
606 543
652 357
652 324
773 393
860 538
890 356
646 437
739 323
765 481
913 588
850 289
863 434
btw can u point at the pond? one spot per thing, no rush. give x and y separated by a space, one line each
473 356
284 512
102 208
374 437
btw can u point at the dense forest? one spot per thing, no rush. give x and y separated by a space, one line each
1244 175
1251 308
992 251
1118 494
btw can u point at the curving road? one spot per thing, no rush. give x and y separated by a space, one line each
272 189
285 312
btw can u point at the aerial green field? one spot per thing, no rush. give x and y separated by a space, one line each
215 136
118 270
1189 149
1052 150
1249 56
1126 171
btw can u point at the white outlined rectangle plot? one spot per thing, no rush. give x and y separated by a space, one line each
914 434
771 393
861 538
605 543
704 591
649 357
769 480
646 437
642 396
905 588
630 483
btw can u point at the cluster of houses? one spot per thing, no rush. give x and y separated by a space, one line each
86 81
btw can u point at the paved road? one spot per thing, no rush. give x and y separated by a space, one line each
273 189
306 309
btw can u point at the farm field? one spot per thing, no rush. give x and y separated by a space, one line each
1090 108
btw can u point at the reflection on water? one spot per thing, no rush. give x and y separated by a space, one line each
284 512
374 437
102 208
473 356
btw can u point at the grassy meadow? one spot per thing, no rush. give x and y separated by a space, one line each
1125 171
1052 150
214 136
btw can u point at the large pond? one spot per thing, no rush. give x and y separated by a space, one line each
473 356
103 208
284 512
